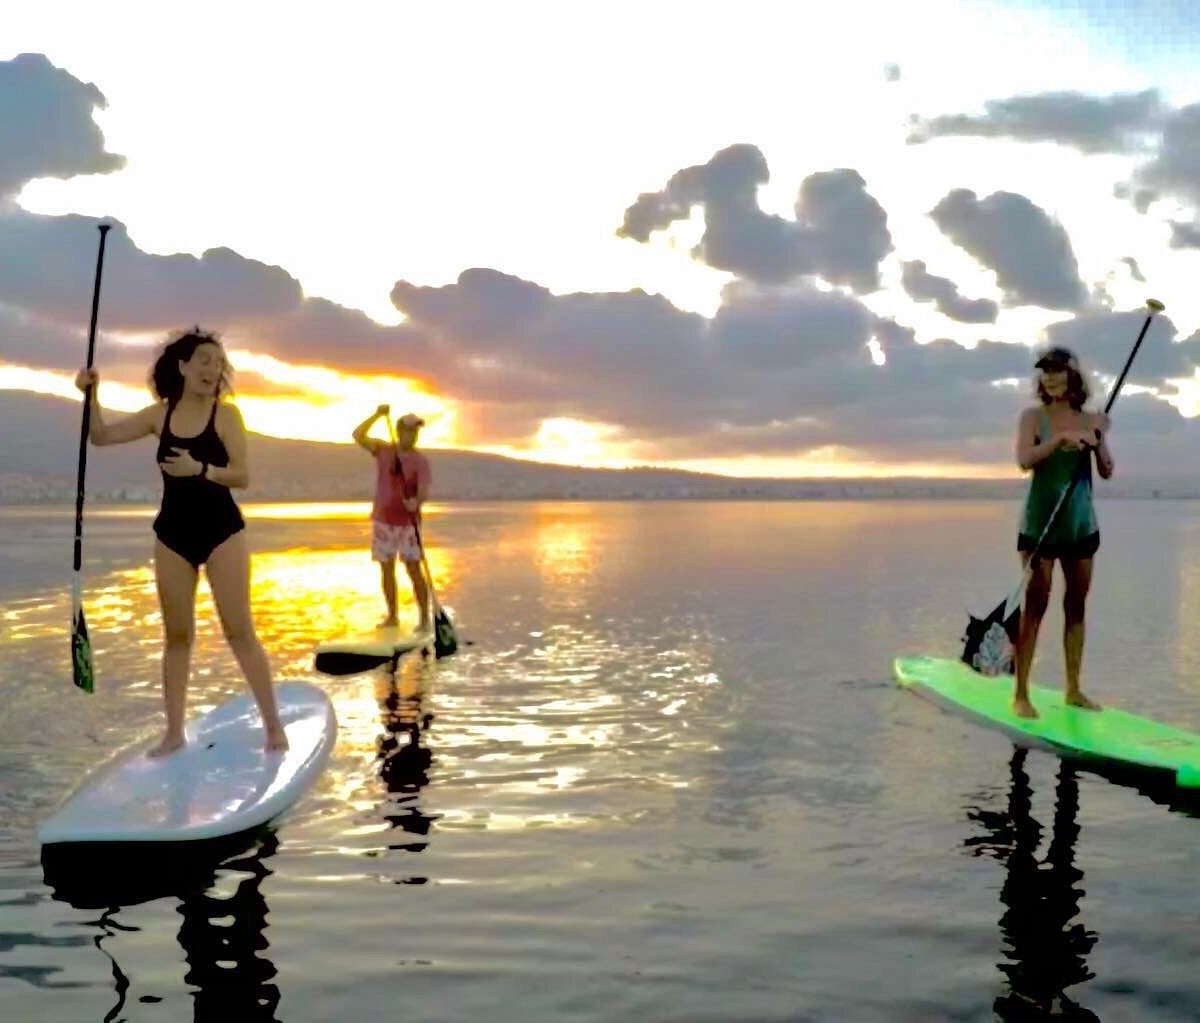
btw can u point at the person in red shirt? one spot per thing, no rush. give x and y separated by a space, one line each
402 481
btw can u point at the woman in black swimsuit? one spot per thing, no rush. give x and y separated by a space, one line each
202 455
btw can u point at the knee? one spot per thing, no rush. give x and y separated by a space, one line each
178 636
1074 605
1036 602
238 632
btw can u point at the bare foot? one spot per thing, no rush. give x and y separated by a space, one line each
277 740
388 623
423 626
1023 708
169 744
1077 699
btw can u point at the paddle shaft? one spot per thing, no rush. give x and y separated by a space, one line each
87 402
433 601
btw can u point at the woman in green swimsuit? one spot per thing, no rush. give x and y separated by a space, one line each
1057 439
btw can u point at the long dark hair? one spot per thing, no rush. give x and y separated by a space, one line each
1078 391
165 379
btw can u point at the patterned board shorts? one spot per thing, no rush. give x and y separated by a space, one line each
388 542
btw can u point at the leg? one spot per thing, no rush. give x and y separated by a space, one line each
420 593
1078 574
1033 609
175 578
387 574
229 579
383 549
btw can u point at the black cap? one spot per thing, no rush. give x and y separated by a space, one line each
1057 358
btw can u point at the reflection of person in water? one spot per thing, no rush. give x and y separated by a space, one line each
113 879
404 760
243 990
1046 953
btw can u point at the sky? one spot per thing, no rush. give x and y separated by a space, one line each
762 239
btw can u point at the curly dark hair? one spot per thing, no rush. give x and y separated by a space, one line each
165 379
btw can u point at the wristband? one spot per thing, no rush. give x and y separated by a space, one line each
204 470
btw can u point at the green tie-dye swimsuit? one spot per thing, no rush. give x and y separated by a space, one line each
1076 532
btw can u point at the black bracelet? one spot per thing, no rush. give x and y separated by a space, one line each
203 470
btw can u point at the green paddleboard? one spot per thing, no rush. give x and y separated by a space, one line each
1109 734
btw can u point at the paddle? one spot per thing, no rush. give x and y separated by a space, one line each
83 670
989 643
445 639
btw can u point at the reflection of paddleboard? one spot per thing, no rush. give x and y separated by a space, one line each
1110 735
353 654
221 783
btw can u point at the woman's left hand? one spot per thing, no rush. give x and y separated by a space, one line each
411 504
181 463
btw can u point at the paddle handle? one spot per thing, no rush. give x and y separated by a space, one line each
87 400
1154 306
433 601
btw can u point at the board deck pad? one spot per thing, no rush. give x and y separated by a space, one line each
352 654
1109 734
221 783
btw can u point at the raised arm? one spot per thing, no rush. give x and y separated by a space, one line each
133 427
360 431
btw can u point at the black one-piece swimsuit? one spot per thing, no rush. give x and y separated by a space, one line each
197 515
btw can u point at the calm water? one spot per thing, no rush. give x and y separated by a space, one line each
671 780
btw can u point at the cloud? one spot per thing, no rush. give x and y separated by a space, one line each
1184 235
48 264
1142 198
1135 271
1118 123
840 232
321 332
1175 168
1104 339
777 369
46 126
1027 249
926 287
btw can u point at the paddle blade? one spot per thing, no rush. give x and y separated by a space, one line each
82 669
445 639
990 643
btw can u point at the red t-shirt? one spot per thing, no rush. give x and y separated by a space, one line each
392 486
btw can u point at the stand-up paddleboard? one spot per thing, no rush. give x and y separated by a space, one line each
1110 735
221 783
352 654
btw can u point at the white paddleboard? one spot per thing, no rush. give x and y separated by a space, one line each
221 783
352 654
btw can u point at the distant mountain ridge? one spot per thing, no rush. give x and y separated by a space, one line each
39 443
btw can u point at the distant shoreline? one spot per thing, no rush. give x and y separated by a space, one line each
850 495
